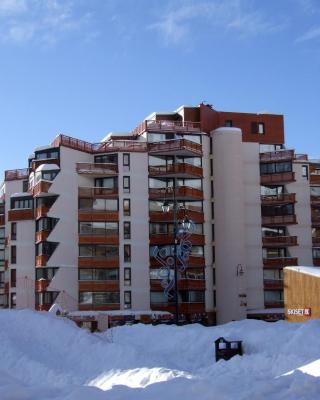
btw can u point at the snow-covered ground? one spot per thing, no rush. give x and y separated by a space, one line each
45 357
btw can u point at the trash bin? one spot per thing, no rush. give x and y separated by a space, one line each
226 349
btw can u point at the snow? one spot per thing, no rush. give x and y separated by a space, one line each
48 357
313 271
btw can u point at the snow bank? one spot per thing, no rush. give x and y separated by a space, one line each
47 357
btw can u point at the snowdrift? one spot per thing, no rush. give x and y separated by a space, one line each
47 357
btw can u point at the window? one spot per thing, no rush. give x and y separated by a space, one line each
212 210
46 273
261 128
98 274
212 189
192 297
21 203
45 248
46 224
106 159
214 298
98 228
1 279
127 277
126 161
273 211
13 254
109 183
126 207
316 252
127 252
271 190
305 171
44 155
273 168
13 231
13 277
274 253
127 230
25 185
228 123
212 228
273 296
98 250
127 299
99 298
211 145
46 298
2 235
13 300
279 231
213 254
126 184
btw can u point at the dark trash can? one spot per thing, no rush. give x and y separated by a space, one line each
226 349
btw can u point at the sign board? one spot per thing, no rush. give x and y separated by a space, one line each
299 311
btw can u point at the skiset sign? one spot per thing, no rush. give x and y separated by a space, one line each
299 311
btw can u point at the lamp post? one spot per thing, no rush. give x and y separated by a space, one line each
186 224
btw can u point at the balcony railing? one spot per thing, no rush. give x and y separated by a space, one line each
20 214
96 192
181 192
2 219
316 241
41 187
315 218
160 216
283 198
97 169
168 238
193 261
37 163
316 261
183 284
315 200
273 283
96 262
107 238
276 241
277 155
103 147
166 126
279 220
280 262
14 174
98 215
274 304
179 146
182 170
282 177
314 179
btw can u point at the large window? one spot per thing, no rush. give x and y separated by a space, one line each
316 252
189 205
274 168
21 203
46 298
192 296
271 190
106 159
315 190
98 274
126 184
98 228
110 182
46 273
46 224
44 155
45 248
98 204
273 296
99 298
98 250
168 250
274 253
272 211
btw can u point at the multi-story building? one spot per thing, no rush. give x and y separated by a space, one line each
83 225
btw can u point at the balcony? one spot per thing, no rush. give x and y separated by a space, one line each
314 179
98 215
276 284
167 126
184 308
182 193
160 216
96 262
315 200
109 238
102 147
274 304
2 219
99 286
315 218
181 170
183 284
41 187
36 163
279 241
279 220
165 238
41 261
41 212
194 261
280 155
179 147
20 214
99 307
284 198
15 174
281 262
97 192
97 169
283 177
41 285
316 241
42 236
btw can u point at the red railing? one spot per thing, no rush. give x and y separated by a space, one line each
91 192
278 198
281 177
103 147
97 168
180 126
13 174
175 145
279 219
277 155
276 241
176 169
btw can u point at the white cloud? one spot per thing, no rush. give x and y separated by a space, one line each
45 21
177 24
311 34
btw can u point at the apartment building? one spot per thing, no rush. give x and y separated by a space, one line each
83 226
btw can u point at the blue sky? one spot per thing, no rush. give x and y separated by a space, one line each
87 67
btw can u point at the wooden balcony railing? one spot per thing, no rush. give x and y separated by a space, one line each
97 192
180 170
194 261
279 220
41 261
184 308
316 241
96 262
284 198
183 284
111 238
98 215
274 304
41 285
280 262
96 169
97 286
182 192
99 307
273 283
282 177
166 126
165 238
103 147
314 179
160 216
180 146
277 155
42 236
37 163
2 219
20 214
279 241
316 262
14 174
315 200
41 212
315 218
41 187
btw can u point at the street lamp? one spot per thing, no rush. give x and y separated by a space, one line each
186 225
